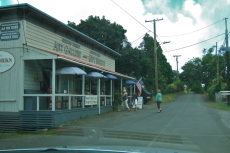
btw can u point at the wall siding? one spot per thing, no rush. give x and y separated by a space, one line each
9 80
9 83
32 68
44 39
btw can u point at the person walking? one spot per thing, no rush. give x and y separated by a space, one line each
159 100
134 102
124 98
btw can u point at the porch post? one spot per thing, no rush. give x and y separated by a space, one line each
69 102
83 91
53 83
111 91
99 96
22 85
121 85
131 92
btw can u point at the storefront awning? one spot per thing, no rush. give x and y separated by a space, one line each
95 75
130 82
70 70
110 76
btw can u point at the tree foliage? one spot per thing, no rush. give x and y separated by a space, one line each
110 34
135 62
139 62
204 71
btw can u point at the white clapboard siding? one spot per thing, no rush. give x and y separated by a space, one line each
45 40
32 69
9 84
33 53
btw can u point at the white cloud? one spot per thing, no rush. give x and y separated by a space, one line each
193 8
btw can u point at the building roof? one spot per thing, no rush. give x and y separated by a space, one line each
30 10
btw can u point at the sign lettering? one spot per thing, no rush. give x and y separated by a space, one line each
67 50
9 36
90 100
6 61
10 26
70 43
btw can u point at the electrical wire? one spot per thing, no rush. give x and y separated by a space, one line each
130 15
164 47
195 43
139 37
172 35
195 30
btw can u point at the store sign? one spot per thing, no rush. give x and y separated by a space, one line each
67 49
10 26
6 61
9 36
90 100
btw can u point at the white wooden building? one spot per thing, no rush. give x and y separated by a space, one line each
33 46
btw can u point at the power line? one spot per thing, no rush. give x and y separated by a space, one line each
140 37
195 43
130 15
194 31
164 47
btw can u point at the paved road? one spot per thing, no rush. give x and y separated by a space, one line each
186 124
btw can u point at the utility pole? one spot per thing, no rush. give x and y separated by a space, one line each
227 59
155 51
177 65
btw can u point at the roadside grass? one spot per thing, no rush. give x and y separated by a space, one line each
12 135
219 105
44 132
216 105
167 98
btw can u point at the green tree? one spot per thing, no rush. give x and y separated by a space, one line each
204 71
165 73
136 62
110 34
192 74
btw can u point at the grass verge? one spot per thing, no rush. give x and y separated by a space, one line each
216 105
44 132
221 106
167 98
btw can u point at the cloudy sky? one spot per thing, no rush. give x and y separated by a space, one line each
185 22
